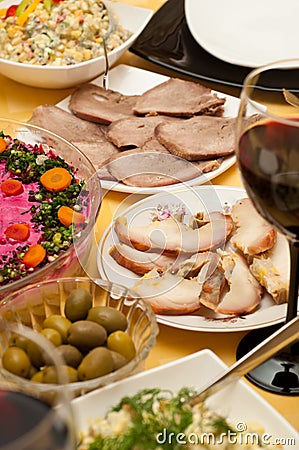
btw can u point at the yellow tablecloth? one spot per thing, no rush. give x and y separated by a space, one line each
17 101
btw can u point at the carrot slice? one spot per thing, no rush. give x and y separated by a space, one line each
34 256
67 216
56 179
3 145
12 187
18 232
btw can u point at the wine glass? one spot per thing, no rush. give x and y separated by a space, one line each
268 158
30 418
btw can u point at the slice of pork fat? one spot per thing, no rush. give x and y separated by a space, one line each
173 237
244 293
253 234
169 294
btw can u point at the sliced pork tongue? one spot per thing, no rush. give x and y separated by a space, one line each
179 98
96 104
134 131
66 124
151 169
198 138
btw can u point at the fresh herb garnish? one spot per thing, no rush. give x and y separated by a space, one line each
152 411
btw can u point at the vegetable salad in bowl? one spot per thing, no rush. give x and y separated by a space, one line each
156 418
58 44
57 32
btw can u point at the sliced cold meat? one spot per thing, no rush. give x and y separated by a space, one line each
65 124
244 294
198 138
134 131
179 98
253 235
151 169
97 152
173 237
168 293
140 262
96 104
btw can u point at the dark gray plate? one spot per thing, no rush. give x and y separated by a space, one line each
167 41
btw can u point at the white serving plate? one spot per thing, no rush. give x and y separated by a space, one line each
132 81
239 402
60 77
209 198
247 35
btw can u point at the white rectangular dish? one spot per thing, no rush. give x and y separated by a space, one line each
238 401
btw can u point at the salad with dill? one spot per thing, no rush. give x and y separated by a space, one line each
155 418
42 202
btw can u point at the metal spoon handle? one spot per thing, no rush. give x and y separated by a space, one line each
107 67
259 354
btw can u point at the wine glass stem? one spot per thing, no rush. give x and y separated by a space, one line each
294 281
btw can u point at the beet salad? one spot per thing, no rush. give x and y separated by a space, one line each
41 201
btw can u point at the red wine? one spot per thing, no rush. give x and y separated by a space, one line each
269 162
20 413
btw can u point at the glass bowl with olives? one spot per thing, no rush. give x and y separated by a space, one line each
100 332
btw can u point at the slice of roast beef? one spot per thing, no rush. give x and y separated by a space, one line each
134 131
65 124
198 138
179 98
96 104
150 169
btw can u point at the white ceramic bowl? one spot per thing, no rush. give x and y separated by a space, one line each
32 304
238 402
132 18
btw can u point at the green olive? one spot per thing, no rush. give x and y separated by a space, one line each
77 304
35 354
50 374
58 323
96 363
110 318
38 377
121 342
33 370
70 354
118 360
18 341
86 335
52 335
16 361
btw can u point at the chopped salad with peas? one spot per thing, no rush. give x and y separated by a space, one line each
57 32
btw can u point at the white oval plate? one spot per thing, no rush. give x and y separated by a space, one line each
132 81
247 35
209 198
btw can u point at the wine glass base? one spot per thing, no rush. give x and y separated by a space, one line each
279 374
